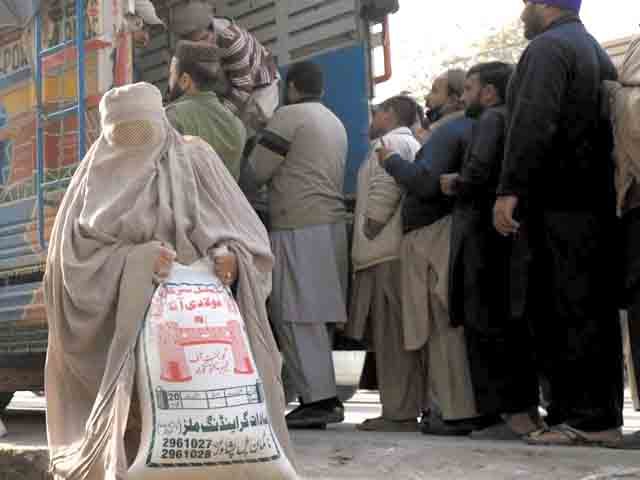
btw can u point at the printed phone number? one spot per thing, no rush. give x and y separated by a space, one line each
172 449
171 454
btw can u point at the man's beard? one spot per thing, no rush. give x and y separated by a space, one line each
474 110
530 32
435 114
533 26
174 93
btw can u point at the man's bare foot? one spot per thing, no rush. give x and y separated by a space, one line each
565 435
520 423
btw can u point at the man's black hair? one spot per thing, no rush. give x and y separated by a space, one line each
497 74
200 60
405 108
198 73
307 77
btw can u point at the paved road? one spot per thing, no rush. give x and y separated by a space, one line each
343 453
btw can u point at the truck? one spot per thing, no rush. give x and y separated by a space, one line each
57 59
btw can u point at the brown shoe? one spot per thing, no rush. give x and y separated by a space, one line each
381 424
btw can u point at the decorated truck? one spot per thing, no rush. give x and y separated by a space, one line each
58 57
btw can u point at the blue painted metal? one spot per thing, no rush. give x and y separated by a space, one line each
61 113
56 183
80 34
57 48
39 133
78 109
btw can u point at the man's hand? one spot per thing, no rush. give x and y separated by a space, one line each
164 263
372 228
141 38
449 183
503 215
225 266
383 152
422 135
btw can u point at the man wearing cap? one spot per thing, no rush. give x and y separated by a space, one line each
249 67
424 261
376 309
196 110
141 20
556 196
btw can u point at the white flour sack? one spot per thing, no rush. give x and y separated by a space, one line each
204 414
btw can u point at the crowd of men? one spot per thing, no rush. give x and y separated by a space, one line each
486 236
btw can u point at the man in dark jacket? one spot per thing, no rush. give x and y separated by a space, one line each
424 268
557 193
479 270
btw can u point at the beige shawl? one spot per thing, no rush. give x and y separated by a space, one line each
624 98
140 184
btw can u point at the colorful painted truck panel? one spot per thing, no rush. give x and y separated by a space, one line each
108 60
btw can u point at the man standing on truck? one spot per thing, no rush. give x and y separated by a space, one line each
302 155
250 68
376 311
141 21
197 111
557 194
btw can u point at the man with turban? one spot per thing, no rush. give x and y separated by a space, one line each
556 196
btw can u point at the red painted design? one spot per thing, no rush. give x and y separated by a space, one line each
123 74
68 55
172 341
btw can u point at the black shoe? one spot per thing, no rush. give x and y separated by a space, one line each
316 415
435 425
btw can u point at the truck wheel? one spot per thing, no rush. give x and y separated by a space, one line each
5 400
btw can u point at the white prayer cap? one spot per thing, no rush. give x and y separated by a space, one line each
146 11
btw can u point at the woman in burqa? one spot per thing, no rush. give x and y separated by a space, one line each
142 195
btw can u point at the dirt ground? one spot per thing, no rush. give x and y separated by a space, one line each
343 454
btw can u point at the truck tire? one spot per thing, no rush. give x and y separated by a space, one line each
5 400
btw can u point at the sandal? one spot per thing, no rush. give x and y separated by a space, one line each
562 435
627 442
